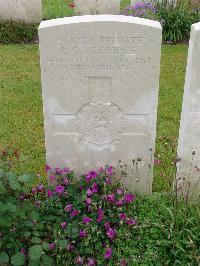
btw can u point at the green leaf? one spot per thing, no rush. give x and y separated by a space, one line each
47 261
3 190
18 259
36 240
35 252
34 263
27 178
45 246
63 243
5 220
11 207
4 258
14 184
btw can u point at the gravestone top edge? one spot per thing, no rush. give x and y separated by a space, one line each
99 18
196 26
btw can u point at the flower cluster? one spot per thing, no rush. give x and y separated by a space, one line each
144 10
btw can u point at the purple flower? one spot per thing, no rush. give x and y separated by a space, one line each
88 201
38 203
22 197
47 168
123 262
120 191
68 208
110 197
91 175
131 221
82 233
63 225
91 262
70 247
119 203
52 246
59 171
109 170
108 253
100 170
23 251
100 215
34 190
87 220
59 189
66 170
89 192
40 187
49 193
52 177
74 213
129 197
95 188
107 225
79 260
122 216
111 233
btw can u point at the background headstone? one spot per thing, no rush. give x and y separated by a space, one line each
96 7
100 80
28 10
189 135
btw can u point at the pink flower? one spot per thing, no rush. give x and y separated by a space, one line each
100 215
91 175
23 251
52 246
59 189
59 171
88 201
108 254
123 262
47 168
40 187
122 216
111 233
34 190
38 203
66 181
89 192
157 162
110 197
95 188
70 247
100 170
129 198
66 170
108 181
50 193
74 213
109 170
131 221
63 225
52 177
119 203
68 208
87 220
82 233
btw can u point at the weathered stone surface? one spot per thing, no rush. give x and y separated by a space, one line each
100 79
96 7
189 135
28 10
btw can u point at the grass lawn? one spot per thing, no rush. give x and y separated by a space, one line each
21 120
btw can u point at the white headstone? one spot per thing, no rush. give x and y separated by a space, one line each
189 135
100 79
96 7
28 10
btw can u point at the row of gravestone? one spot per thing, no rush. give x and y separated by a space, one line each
31 10
100 81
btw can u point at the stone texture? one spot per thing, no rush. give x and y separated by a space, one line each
96 7
28 10
189 135
100 80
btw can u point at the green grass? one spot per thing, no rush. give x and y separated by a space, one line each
21 120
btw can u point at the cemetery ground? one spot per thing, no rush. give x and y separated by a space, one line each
21 106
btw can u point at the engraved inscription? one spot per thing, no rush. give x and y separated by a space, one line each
100 124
